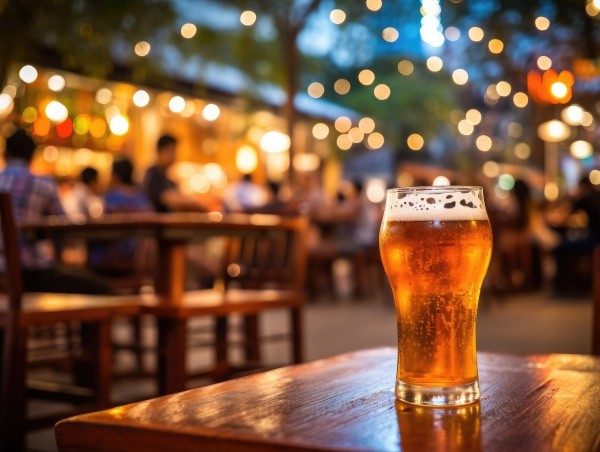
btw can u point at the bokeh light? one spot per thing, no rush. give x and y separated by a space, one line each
415 142
496 46
188 30
366 76
56 83
476 34
141 98
341 86
142 48
382 91
434 63
406 67
337 16
320 131
460 76
28 74
275 142
343 142
544 62
176 104
211 112
343 124
441 181
520 99
375 140
316 90
104 96
390 34
581 149
248 18
57 112
246 159
542 23
483 143
366 124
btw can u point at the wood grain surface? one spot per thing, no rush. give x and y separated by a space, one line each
534 403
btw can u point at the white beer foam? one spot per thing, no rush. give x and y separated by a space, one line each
435 204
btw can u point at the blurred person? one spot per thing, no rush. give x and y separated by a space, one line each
34 197
573 256
523 239
84 200
245 195
125 257
163 192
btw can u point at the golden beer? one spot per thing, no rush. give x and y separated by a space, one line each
436 245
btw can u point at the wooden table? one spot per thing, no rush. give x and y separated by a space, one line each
172 232
534 403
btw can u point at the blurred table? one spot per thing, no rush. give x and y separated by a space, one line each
533 403
172 232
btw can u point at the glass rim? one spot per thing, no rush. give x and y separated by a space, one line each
436 188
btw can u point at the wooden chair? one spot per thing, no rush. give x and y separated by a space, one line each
20 314
265 269
596 296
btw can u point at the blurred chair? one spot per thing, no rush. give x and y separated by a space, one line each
78 329
264 269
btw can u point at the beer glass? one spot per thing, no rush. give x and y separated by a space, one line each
435 244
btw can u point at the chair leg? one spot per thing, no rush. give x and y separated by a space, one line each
100 347
221 346
13 408
296 324
252 342
172 349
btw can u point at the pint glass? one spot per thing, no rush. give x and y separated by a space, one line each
435 245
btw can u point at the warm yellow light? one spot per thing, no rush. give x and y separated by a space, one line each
406 67
375 140
104 96
366 76
141 98
465 127
551 191
544 62
553 131
82 124
382 91
274 142
342 124
248 18
6 104
496 46
390 34
316 90
415 142
483 143
188 30
56 83
559 89
594 177
98 127
542 23
520 99
57 112
343 142
356 135
375 190
491 169
142 48
581 149
337 16
246 159
374 5
306 162
522 151
366 124
50 154
572 115
28 73
320 131
434 64
460 76
503 88
119 125
492 93
476 34
473 116
29 114
111 112
440 181
176 104
215 174
587 120
211 112
341 86
199 183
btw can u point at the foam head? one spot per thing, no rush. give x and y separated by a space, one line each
452 203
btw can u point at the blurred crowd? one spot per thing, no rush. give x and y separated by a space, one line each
536 244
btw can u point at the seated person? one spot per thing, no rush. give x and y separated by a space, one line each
34 197
123 196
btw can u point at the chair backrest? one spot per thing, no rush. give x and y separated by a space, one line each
13 278
268 257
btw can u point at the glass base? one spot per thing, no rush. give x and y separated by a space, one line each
437 396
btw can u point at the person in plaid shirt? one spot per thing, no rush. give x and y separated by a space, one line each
34 197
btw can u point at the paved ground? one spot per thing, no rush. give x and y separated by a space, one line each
531 323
